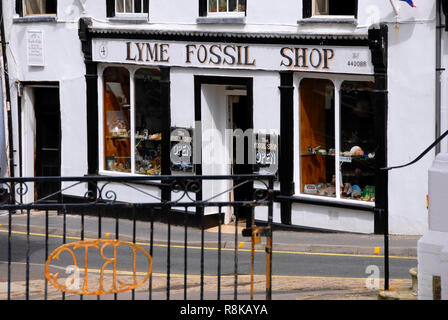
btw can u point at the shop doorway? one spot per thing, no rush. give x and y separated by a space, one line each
224 107
47 157
240 118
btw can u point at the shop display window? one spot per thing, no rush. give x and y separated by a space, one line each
132 124
352 126
117 134
226 6
148 122
357 159
40 7
317 140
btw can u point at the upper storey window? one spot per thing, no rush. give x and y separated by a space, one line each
226 7
39 7
322 8
127 8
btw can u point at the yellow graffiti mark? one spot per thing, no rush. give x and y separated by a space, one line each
100 244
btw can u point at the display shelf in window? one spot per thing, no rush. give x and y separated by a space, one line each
148 122
148 153
358 172
118 164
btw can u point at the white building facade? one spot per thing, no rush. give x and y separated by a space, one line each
342 90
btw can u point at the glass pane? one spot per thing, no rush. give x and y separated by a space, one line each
321 7
117 142
317 141
129 8
233 6
342 8
148 122
51 6
212 5
34 7
119 6
242 6
222 5
357 141
138 6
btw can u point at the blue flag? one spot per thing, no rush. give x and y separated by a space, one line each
410 2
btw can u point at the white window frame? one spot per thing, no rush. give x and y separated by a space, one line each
132 70
327 9
225 13
25 14
130 14
337 81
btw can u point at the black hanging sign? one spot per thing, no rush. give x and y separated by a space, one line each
181 149
266 147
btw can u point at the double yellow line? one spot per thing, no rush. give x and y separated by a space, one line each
225 249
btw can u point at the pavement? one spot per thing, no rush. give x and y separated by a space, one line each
283 287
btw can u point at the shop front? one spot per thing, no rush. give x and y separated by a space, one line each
306 109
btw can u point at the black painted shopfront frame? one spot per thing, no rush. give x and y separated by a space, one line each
376 41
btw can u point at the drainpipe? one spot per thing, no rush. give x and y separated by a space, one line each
8 94
439 70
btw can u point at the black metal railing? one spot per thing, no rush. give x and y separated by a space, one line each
164 216
433 145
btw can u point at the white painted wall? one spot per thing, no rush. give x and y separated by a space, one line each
411 123
332 218
63 63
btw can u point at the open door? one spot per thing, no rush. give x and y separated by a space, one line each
241 118
47 161
225 108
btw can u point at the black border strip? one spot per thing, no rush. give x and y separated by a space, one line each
229 37
379 48
286 169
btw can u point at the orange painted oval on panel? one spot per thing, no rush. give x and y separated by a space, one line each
74 284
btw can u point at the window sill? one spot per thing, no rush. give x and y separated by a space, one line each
341 20
36 19
330 202
130 20
221 20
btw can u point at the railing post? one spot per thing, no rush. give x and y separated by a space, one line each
269 241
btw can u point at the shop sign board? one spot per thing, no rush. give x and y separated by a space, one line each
333 59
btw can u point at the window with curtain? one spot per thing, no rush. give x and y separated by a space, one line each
132 128
226 7
130 7
40 7
117 119
337 145
317 138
